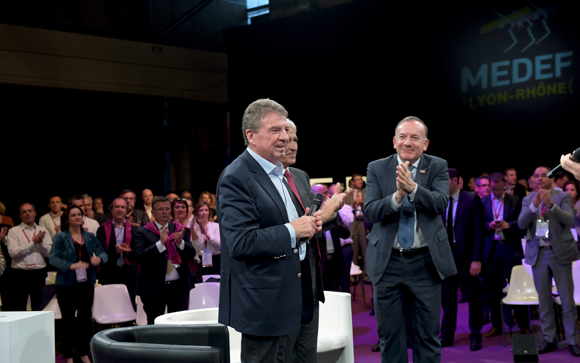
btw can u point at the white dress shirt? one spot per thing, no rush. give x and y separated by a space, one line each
26 255
50 222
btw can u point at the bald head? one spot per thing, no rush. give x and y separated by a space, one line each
320 188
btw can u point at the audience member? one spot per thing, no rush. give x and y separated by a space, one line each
532 184
147 198
90 213
471 184
98 206
171 197
525 184
347 217
76 253
116 236
571 187
89 224
4 219
182 211
51 220
511 185
210 240
357 229
548 215
164 278
186 194
465 228
136 217
502 250
482 186
207 199
560 180
28 245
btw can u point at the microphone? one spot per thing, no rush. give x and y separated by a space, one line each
316 203
559 170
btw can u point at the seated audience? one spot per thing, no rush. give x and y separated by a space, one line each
76 253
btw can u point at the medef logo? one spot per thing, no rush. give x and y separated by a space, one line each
534 66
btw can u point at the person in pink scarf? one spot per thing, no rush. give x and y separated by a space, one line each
164 257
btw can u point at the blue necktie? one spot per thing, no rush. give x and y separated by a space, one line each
407 220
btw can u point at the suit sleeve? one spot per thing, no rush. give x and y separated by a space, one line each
101 237
514 225
377 206
242 221
563 212
144 252
526 216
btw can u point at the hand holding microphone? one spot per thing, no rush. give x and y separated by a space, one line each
568 162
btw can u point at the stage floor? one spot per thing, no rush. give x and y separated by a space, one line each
365 337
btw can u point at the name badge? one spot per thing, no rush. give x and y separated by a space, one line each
81 274
206 258
542 229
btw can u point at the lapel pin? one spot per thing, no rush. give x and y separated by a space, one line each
422 171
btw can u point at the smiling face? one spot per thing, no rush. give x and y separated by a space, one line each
75 217
571 189
270 141
410 141
119 209
180 210
202 214
162 212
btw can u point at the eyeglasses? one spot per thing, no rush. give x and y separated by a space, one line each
483 185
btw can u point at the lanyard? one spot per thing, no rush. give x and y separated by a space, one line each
55 226
34 235
120 231
496 215
543 208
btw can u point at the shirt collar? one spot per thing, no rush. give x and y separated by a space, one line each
115 225
54 215
26 226
455 195
498 199
415 164
159 227
268 167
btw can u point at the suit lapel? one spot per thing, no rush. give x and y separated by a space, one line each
422 170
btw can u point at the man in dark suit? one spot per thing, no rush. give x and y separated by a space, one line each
137 217
548 215
301 345
115 235
502 250
511 184
464 223
408 250
263 238
164 278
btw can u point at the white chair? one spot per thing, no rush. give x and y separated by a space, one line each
204 295
53 306
112 304
207 277
335 337
204 316
522 291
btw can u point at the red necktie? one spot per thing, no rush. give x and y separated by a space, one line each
293 187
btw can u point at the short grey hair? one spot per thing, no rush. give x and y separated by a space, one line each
413 118
255 113
292 125
86 196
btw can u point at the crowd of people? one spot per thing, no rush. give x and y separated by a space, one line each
158 251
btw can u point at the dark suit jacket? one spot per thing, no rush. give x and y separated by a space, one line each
140 215
511 211
430 201
260 291
341 231
469 229
109 270
152 267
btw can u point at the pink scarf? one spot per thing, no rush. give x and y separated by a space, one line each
170 243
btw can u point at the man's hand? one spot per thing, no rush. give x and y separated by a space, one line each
39 237
545 196
123 247
164 234
3 232
91 214
570 165
306 226
400 193
334 204
178 237
537 199
475 268
404 178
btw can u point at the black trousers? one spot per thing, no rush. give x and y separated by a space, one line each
76 331
23 283
175 295
449 289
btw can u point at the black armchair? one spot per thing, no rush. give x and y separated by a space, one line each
162 343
